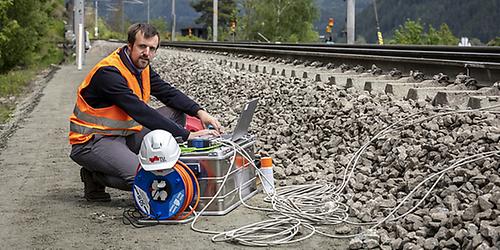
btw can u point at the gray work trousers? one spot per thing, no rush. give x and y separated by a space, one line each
113 159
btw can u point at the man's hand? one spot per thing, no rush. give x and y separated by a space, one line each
201 133
208 119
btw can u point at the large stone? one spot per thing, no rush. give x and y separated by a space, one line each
484 246
489 231
485 215
343 229
470 212
299 180
461 234
477 240
410 246
401 231
431 243
495 198
416 221
355 243
397 243
442 234
472 229
371 243
484 202
439 216
279 172
452 244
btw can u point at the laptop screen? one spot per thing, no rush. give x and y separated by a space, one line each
244 120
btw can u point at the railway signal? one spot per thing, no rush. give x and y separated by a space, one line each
329 30
232 26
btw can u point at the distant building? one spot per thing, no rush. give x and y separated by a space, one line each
195 31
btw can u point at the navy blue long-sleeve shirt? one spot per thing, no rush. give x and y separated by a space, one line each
108 87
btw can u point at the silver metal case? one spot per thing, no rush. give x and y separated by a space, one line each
212 167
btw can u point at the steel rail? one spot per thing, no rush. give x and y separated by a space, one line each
491 49
480 54
482 63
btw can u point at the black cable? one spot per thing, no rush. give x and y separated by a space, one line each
131 216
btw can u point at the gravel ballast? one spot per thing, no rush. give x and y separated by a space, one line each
313 129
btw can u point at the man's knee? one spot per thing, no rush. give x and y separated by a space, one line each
173 114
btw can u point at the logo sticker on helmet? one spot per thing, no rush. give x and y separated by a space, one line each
154 158
157 158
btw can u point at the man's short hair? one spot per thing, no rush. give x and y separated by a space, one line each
147 30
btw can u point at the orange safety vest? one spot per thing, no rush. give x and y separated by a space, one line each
87 121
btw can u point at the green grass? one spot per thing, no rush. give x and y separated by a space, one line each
13 83
5 110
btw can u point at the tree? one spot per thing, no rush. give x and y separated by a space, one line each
105 32
412 32
473 19
161 25
494 42
443 36
280 20
29 32
226 10
8 27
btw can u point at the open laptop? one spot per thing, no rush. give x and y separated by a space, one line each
244 121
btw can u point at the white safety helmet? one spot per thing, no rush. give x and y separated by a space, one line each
159 151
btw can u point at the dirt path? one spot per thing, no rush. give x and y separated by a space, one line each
41 195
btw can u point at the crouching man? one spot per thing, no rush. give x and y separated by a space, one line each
111 114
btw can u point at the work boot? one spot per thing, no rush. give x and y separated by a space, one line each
93 190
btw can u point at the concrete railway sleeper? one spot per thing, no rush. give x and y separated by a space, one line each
439 89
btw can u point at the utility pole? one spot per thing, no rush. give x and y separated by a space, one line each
79 16
173 20
122 7
148 11
351 16
216 10
96 28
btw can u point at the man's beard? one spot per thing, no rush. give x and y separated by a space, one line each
142 63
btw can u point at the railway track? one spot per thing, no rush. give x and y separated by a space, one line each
445 75
482 63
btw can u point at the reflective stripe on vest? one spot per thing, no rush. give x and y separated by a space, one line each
87 131
101 121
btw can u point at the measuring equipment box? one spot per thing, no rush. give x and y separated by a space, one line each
211 167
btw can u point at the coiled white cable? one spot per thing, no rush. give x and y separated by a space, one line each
315 205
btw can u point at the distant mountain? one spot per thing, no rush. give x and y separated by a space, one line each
185 15
473 19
